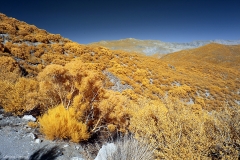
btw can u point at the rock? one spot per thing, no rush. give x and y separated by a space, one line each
77 147
118 86
76 158
66 145
106 150
38 141
29 118
32 135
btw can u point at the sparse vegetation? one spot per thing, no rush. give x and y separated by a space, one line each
125 147
128 147
184 104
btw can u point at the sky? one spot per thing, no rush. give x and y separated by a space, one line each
87 21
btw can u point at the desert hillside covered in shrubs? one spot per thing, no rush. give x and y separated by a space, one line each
184 105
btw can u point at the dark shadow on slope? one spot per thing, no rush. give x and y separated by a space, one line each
46 153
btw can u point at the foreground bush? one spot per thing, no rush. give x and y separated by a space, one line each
61 123
80 86
125 147
128 147
179 132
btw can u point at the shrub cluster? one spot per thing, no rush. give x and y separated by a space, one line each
179 132
63 123
186 111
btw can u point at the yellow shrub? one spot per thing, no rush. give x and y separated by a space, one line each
60 123
178 133
114 111
180 91
9 69
32 124
19 97
5 88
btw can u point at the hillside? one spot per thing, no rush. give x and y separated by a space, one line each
84 93
219 61
227 56
153 47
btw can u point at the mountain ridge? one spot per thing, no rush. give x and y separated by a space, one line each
151 47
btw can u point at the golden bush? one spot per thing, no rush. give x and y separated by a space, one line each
9 69
179 133
33 124
41 37
19 97
62 123
6 86
79 85
55 84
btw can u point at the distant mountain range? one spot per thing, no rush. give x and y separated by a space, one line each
151 47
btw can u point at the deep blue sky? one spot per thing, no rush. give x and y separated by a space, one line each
87 21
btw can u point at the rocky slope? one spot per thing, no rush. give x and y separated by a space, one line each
19 141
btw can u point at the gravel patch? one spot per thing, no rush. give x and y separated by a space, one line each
18 141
